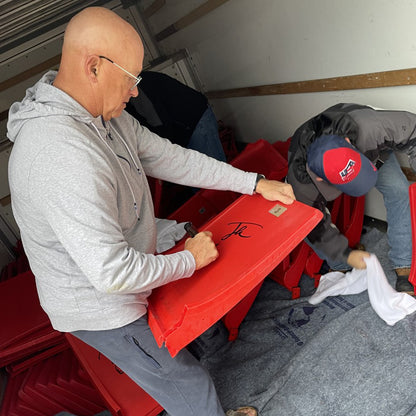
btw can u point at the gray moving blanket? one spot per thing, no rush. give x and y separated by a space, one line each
337 358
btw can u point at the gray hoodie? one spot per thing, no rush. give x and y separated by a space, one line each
83 205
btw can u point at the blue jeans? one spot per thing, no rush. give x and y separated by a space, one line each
205 138
394 186
180 384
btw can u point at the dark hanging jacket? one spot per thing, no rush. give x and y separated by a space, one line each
373 132
167 107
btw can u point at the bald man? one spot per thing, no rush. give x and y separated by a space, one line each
82 202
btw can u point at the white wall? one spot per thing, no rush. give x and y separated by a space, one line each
245 43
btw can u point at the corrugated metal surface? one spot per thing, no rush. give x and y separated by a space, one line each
22 20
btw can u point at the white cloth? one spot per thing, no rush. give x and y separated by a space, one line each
169 232
390 305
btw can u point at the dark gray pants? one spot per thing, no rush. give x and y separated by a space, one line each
180 384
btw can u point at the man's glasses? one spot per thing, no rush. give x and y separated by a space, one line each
136 79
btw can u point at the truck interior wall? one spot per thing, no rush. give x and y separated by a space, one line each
244 43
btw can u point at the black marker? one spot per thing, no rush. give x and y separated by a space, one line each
190 229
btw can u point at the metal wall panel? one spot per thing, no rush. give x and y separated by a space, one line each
23 20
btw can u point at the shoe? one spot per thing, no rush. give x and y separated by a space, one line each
402 282
243 411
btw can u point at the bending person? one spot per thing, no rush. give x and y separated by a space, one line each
350 148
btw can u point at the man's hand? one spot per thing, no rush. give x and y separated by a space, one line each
275 191
356 259
203 248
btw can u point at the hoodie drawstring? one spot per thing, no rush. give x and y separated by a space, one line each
118 161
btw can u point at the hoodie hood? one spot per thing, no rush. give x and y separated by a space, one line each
44 100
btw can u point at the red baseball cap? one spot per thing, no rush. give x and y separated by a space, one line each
342 167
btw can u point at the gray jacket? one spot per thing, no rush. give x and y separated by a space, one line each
83 205
375 133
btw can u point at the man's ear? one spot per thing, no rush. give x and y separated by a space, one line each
348 140
319 179
92 64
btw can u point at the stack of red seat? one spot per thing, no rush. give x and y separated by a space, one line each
47 386
43 374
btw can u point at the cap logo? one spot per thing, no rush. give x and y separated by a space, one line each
341 165
347 171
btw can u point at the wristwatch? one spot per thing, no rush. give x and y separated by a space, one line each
259 176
